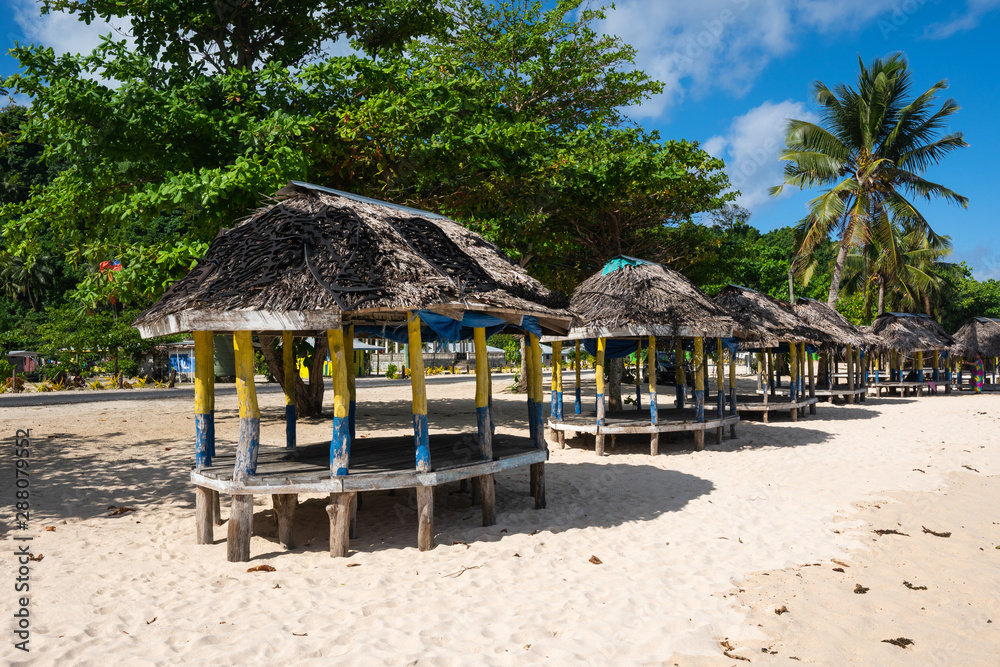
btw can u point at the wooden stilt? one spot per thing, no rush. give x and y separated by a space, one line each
203 515
240 527
284 514
680 372
538 484
216 509
654 439
425 518
339 510
599 373
241 512
487 494
699 391
288 366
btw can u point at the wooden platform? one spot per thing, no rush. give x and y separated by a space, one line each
375 464
837 391
779 404
905 387
630 422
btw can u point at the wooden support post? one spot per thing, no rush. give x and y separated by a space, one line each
339 510
638 375
216 509
599 376
557 391
680 372
576 364
769 385
529 371
284 515
487 490
241 512
699 392
793 383
732 391
654 438
352 532
240 528
721 389
203 515
849 354
421 437
352 392
204 398
537 475
919 364
812 384
288 366
340 445
425 518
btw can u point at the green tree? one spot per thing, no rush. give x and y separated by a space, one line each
871 148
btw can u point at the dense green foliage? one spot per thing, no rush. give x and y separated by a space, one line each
507 116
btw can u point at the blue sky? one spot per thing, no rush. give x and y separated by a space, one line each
735 70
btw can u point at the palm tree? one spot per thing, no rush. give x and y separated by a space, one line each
901 266
21 276
871 148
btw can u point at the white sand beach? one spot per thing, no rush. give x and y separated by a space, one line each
697 549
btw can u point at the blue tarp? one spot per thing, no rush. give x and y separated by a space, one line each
435 327
618 348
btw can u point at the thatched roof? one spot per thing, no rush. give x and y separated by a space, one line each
632 297
767 320
821 316
909 333
980 336
318 258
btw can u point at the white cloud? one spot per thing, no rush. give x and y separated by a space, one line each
975 10
65 33
750 148
697 47
984 261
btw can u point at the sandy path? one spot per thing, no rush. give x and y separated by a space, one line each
675 533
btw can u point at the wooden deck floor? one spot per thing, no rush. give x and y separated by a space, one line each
756 403
376 463
638 421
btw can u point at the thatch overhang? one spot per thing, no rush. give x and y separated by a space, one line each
980 336
821 316
767 321
909 333
631 298
318 259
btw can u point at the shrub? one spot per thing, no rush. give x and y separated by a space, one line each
392 372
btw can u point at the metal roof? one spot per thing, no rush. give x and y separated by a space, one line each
369 200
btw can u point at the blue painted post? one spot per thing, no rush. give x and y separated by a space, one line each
340 445
204 398
421 437
557 393
599 377
539 390
720 375
654 438
529 369
290 370
699 391
579 402
249 435
920 366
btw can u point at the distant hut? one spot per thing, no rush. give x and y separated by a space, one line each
627 307
319 262
902 336
847 340
979 337
774 329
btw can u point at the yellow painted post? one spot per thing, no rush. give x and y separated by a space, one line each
920 366
732 391
351 371
290 371
340 445
419 392
638 375
699 391
487 488
241 510
651 371
557 390
599 381
204 398
793 368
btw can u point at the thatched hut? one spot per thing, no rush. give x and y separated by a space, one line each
978 338
847 340
625 308
328 264
773 327
906 335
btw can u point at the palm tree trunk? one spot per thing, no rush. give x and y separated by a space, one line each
927 304
838 271
881 295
